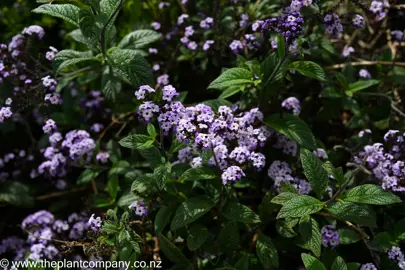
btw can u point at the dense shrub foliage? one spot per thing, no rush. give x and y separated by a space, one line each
223 134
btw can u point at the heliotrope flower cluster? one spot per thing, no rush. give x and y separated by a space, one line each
43 226
288 147
363 73
281 172
289 24
386 160
94 223
358 21
13 245
139 208
292 104
233 138
379 9
368 266
296 5
398 35
397 256
330 237
332 24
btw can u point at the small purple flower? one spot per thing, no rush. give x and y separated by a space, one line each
396 254
207 23
97 127
143 91
102 157
363 73
169 92
156 67
358 21
208 44
163 5
163 79
236 46
363 132
49 127
320 153
192 45
50 55
182 18
189 31
153 51
34 30
95 223
330 237
53 98
368 266
5 113
293 104
232 174
347 51
9 101
139 207
156 25
256 25
398 35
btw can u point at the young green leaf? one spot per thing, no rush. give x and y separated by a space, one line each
196 174
282 198
171 251
87 176
238 212
371 194
339 264
161 175
139 39
314 171
151 131
309 69
231 77
360 85
312 263
190 210
67 58
163 218
299 206
229 236
311 237
267 252
134 141
337 173
67 12
292 127
359 214
348 236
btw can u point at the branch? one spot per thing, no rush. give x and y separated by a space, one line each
367 63
59 194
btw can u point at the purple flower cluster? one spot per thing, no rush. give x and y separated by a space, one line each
280 172
43 227
358 21
363 73
330 237
332 24
76 146
93 100
398 35
202 128
379 9
5 113
102 157
296 5
397 256
207 23
139 207
288 147
289 24
386 160
13 245
292 104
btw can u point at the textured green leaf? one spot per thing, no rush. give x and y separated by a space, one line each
339 264
337 173
348 236
309 69
381 242
87 176
131 67
16 193
68 58
311 237
197 236
299 206
90 26
267 252
139 39
134 141
312 263
67 12
238 212
191 210
163 218
292 127
195 174
231 77
229 236
171 251
161 175
359 214
371 194
285 229
314 171
353 266
360 85
282 198
153 156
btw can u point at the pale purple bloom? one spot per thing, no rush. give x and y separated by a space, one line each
207 44
192 45
232 174
330 237
163 79
50 55
49 127
347 51
95 223
156 67
358 21
34 29
182 18
363 73
102 157
189 31
398 35
156 25
153 51
292 104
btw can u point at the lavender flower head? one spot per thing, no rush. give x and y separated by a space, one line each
50 55
207 23
143 91
5 113
289 24
368 266
49 127
156 25
398 35
332 24
232 174
347 51
34 30
169 92
207 44
293 104
330 237
163 79
95 223
102 157
139 207
358 21
363 73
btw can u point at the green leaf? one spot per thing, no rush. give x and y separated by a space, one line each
280 46
292 127
309 69
142 183
231 77
161 175
113 186
68 58
171 251
87 176
267 252
342 80
299 206
314 171
163 218
67 12
339 264
347 236
381 242
359 214
119 168
312 263
131 67
139 39
282 198
16 193
229 236
360 85
230 91
399 230
196 174
78 36
353 266
111 85
337 173
371 194
134 240
109 227
243 263
190 210
151 131
268 65
238 212
107 6
90 26
311 237
197 236
285 229
134 141
153 156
